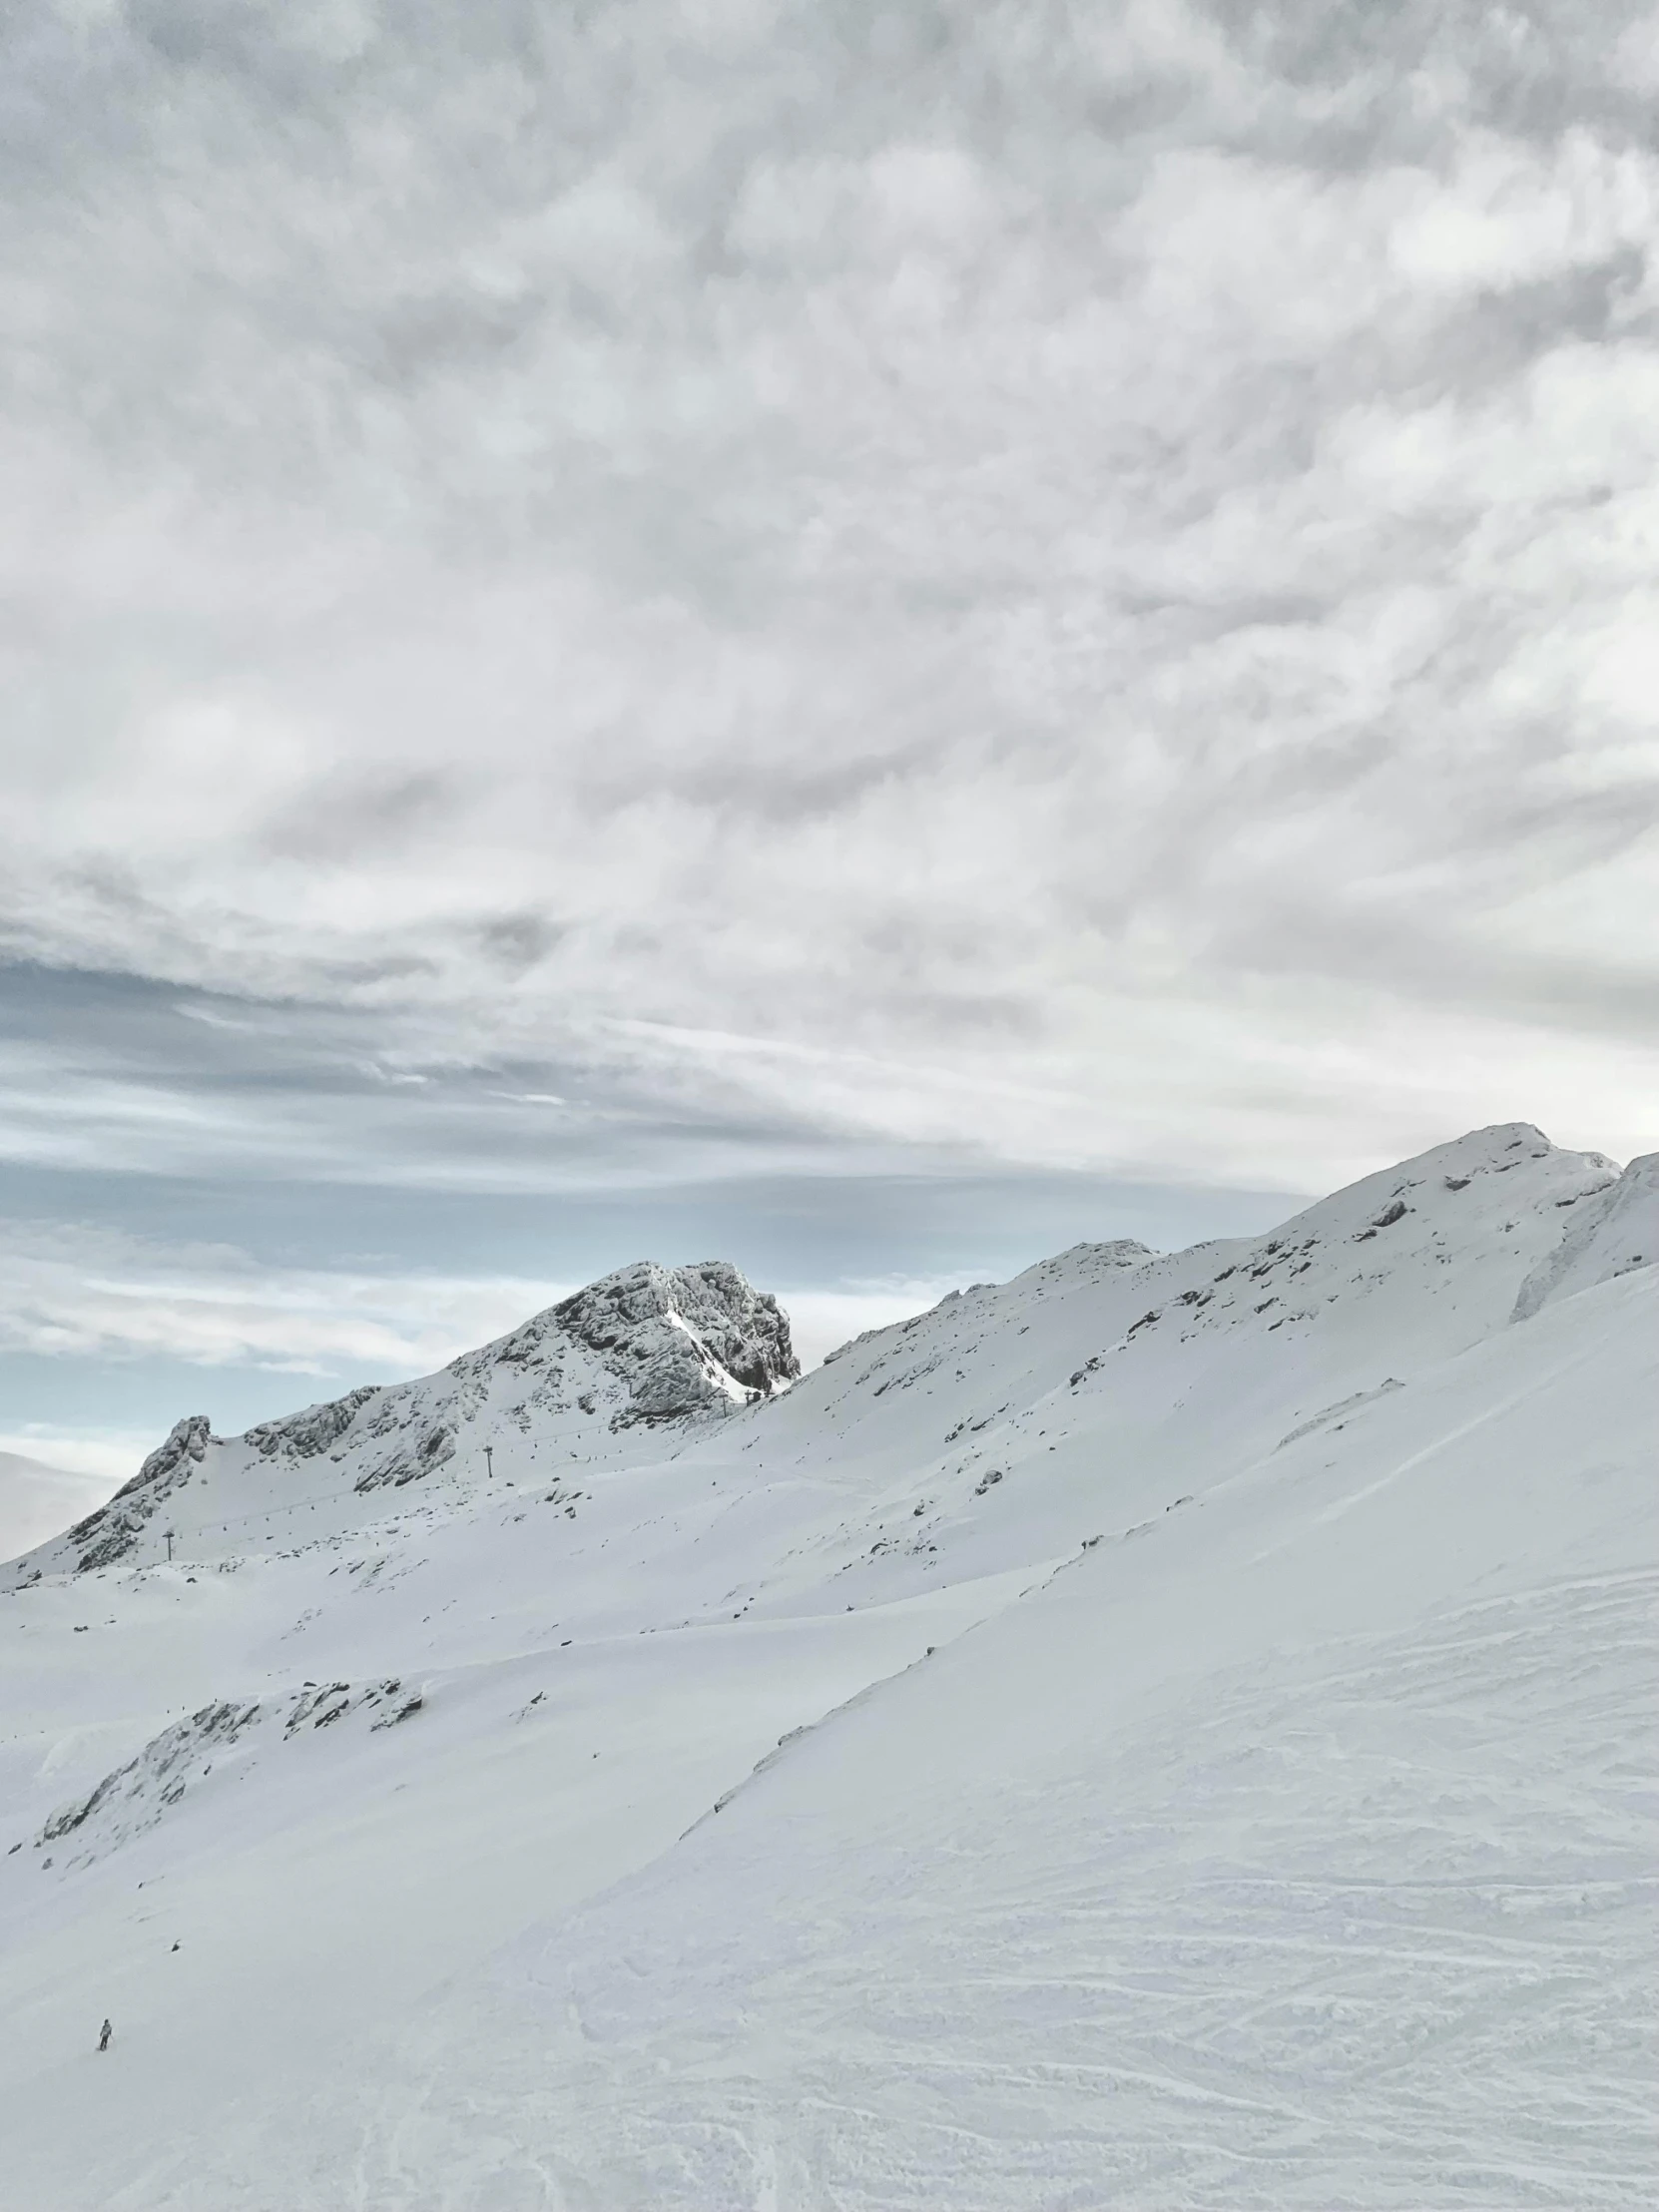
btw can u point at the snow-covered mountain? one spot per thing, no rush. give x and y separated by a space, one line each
1164 1730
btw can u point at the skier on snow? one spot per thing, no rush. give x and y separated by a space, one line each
104 2034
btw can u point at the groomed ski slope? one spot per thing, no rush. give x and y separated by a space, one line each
1217 1693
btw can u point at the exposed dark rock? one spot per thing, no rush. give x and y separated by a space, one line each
303 1436
682 1339
413 1458
135 1792
173 1462
113 1530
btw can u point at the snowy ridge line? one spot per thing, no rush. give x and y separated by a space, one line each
465 1416
644 1352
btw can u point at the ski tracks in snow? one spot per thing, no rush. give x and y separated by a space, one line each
1373 1925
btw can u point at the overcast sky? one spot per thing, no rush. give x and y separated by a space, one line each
872 638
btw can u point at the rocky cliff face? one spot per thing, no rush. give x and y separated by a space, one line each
113 1530
684 1339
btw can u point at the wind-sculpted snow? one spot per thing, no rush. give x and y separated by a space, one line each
1612 1232
1168 1729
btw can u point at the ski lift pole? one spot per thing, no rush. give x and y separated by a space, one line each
489 1462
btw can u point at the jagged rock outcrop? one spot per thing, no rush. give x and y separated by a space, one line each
133 1797
317 1428
682 1339
113 1530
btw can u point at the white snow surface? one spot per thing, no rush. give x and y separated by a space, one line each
1168 1730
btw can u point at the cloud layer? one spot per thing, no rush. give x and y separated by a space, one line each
93 1292
1074 584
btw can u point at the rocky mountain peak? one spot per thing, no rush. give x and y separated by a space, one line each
683 1338
113 1529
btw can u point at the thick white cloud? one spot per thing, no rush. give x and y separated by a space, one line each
1073 582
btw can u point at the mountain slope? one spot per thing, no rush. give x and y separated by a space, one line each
1210 1686
1292 1850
